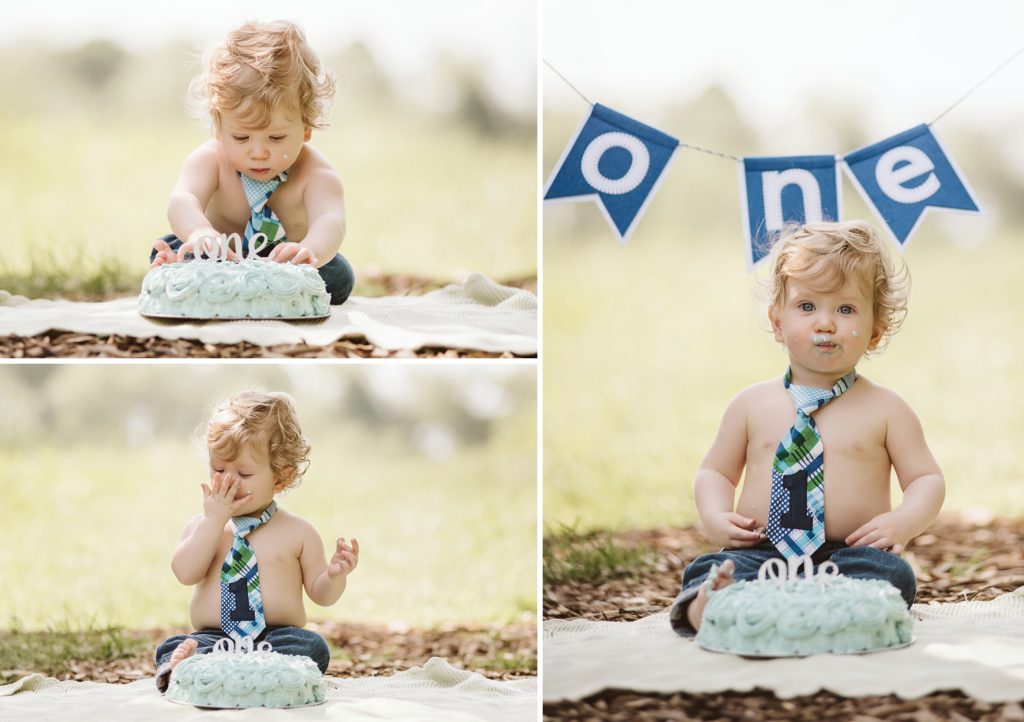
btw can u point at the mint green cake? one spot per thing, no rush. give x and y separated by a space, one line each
260 289
800 617
254 679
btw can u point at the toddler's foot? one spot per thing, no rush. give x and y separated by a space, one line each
720 578
183 651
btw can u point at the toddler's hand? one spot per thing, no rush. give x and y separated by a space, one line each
885 531
219 502
294 252
345 559
733 530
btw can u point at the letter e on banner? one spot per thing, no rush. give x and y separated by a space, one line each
903 176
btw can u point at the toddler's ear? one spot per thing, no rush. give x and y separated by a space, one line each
308 134
773 319
284 480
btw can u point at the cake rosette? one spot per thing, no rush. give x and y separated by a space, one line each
783 614
226 289
243 675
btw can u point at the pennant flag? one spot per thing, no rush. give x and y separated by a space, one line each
615 161
902 176
787 189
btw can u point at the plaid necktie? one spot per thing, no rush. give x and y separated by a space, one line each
241 604
263 219
796 514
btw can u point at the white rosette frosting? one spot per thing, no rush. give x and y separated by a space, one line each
785 614
243 676
228 289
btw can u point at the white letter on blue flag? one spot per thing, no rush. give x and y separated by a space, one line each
902 176
615 161
788 189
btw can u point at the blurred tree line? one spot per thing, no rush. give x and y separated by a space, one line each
434 412
102 80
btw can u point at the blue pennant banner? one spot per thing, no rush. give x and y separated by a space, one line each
781 190
615 161
904 175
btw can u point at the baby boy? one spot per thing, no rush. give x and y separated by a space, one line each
265 91
256 450
816 447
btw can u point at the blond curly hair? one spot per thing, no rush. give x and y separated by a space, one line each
828 254
260 68
265 423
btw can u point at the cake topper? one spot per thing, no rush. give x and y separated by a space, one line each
220 246
788 570
229 645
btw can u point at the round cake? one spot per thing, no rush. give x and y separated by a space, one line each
797 617
252 679
206 289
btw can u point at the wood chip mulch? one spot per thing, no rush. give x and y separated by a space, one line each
57 344
358 650
968 556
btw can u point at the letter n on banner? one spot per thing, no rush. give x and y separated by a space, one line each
902 176
781 190
615 161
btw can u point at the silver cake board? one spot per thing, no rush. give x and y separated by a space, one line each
169 320
754 655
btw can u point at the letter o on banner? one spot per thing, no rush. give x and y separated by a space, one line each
639 164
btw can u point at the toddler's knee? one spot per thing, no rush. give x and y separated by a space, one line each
316 647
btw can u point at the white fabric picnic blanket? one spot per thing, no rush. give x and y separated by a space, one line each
478 314
435 691
976 647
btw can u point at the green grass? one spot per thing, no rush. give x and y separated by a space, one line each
593 557
58 647
646 344
426 197
94 526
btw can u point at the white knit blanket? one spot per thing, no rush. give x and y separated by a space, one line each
435 691
976 647
478 314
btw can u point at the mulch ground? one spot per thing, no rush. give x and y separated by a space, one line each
361 650
971 556
56 344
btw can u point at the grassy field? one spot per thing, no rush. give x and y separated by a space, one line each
645 345
84 198
93 527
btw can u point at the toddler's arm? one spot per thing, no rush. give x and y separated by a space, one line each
196 184
920 477
714 489
199 541
325 583
325 208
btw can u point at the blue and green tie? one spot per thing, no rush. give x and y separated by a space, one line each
241 604
796 514
263 219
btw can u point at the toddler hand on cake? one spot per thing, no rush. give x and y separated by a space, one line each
815 448
249 559
265 91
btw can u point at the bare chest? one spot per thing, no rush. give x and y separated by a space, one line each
229 211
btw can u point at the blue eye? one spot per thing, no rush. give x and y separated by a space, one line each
807 306
847 310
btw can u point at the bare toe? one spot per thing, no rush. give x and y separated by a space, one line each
723 576
183 651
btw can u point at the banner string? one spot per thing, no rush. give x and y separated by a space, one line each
970 92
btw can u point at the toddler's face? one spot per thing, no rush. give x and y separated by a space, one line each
825 332
254 475
260 152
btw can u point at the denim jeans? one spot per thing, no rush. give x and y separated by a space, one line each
855 562
337 273
286 640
